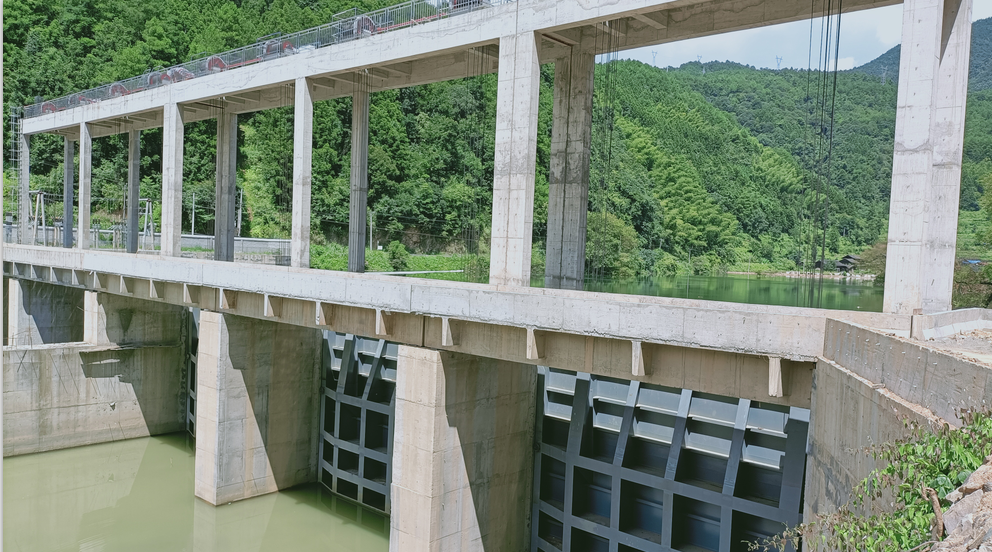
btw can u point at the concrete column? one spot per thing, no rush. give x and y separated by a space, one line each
515 159
68 179
926 165
172 179
568 198
85 185
23 188
227 186
257 407
462 453
359 173
39 313
133 188
302 174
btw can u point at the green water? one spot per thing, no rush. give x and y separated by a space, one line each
765 290
137 495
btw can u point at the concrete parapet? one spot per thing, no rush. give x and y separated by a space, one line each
932 326
74 394
257 409
463 452
921 375
850 413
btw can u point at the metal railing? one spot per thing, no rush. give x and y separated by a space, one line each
344 27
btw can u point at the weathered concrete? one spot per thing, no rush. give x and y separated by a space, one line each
462 453
257 410
113 319
568 195
949 323
302 174
932 379
490 320
85 185
849 413
39 313
926 166
69 395
358 214
68 179
518 86
227 186
172 180
133 189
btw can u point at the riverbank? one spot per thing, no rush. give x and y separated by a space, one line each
797 274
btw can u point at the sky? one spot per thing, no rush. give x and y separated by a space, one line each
865 35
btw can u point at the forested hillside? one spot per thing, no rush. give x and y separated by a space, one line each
714 162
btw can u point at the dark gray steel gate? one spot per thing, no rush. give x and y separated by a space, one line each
357 418
624 466
191 327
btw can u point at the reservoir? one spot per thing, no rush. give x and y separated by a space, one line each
137 494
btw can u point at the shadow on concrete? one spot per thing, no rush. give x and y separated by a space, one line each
490 405
55 313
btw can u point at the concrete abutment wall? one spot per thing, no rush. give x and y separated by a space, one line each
123 381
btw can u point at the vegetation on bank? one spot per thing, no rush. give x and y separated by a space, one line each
890 510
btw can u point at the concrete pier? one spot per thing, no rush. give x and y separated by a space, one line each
133 189
568 186
257 409
515 161
227 186
85 185
358 214
302 174
926 166
172 179
68 180
462 454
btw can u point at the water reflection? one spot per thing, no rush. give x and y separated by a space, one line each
138 495
764 290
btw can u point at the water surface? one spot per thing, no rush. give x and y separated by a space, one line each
754 289
138 495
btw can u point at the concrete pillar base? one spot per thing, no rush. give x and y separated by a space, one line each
257 409
462 453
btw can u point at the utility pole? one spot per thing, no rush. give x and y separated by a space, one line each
192 216
241 203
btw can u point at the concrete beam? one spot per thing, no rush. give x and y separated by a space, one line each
483 311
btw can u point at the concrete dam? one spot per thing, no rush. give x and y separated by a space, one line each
479 416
